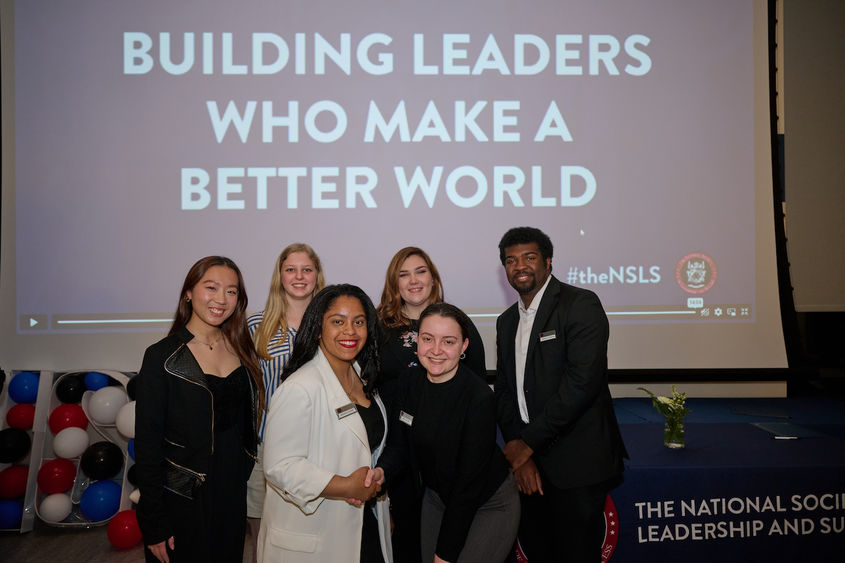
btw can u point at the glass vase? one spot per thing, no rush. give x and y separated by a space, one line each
673 434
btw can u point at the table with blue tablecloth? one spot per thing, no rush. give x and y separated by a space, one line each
758 480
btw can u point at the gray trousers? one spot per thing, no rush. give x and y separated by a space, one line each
493 531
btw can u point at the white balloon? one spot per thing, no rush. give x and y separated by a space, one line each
70 442
105 403
135 496
55 508
125 420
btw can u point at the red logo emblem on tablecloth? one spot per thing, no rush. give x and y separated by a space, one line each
611 529
611 534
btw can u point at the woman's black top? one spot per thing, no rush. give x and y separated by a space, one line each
447 433
370 542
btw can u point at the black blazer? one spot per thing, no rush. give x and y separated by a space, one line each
573 429
173 428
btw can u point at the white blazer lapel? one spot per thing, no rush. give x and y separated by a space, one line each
339 402
377 451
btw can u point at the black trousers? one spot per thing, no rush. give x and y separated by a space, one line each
405 506
564 525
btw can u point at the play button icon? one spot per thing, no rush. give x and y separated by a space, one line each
33 322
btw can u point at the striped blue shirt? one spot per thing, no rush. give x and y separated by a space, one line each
271 369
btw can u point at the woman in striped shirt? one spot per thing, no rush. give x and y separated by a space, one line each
297 277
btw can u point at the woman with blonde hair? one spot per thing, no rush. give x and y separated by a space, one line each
411 284
297 277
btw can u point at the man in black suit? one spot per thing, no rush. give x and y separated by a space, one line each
561 436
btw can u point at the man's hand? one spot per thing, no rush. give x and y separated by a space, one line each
517 452
527 478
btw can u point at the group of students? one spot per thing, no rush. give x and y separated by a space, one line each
361 405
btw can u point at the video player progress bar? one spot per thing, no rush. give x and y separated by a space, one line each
608 313
72 322
684 312
110 321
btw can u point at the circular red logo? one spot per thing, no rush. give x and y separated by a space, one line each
611 534
696 273
611 529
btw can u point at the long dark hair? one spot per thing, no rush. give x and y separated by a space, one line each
234 328
308 338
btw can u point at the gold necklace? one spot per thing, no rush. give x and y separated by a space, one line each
209 344
348 393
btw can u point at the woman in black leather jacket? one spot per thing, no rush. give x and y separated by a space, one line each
195 426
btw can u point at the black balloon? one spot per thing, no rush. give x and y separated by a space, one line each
131 476
70 389
130 389
14 444
102 460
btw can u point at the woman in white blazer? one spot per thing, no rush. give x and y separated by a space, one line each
325 428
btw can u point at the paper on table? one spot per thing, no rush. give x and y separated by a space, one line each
786 430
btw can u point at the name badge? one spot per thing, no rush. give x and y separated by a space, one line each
550 335
406 418
345 410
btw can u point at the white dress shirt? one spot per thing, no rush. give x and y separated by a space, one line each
523 337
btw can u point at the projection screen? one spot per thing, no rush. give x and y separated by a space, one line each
141 136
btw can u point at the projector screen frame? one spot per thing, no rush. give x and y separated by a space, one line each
123 350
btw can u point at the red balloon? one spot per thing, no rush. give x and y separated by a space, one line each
65 416
13 481
21 416
56 475
123 530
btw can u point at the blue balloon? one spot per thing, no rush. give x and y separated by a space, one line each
24 387
95 380
100 501
130 447
11 513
